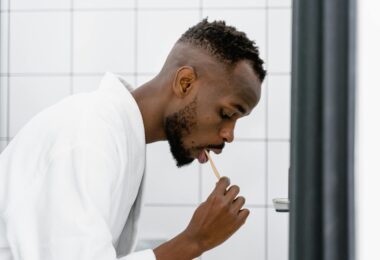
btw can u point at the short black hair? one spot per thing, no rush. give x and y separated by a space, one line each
225 43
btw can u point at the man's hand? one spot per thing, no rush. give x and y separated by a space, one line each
216 219
213 222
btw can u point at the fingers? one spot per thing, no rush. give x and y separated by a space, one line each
238 203
232 192
221 186
243 214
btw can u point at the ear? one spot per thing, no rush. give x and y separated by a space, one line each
184 81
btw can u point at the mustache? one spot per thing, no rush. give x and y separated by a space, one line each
216 146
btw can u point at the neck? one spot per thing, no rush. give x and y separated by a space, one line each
151 99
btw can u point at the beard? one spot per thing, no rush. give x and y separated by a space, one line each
177 126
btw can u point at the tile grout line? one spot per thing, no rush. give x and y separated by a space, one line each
89 74
8 70
121 9
71 47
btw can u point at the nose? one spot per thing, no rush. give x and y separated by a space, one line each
227 133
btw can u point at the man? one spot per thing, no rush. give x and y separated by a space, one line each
71 180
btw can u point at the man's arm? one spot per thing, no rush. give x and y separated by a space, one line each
213 222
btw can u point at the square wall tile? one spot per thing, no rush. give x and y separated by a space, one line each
30 95
158 30
37 46
251 21
3 107
278 170
142 79
104 41
280 3
4 37
165 182
163 223
86 83
233 4
278 233
246 244
244 164
91 83
279 94
279 40
4 4
39 4
168 4
99 4
254 125
3 144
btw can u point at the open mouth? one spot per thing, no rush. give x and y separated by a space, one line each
202 157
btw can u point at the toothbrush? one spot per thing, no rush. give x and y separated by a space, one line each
213 165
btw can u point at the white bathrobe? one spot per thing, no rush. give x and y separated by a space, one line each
71 180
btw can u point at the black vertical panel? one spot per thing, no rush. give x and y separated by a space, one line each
321 187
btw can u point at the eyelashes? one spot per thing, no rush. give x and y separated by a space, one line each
224 116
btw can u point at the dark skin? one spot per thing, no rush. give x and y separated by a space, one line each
224 95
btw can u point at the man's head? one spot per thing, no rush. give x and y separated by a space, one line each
215 76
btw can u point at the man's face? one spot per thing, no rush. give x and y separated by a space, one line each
208 118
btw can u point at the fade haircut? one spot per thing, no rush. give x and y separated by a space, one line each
225 43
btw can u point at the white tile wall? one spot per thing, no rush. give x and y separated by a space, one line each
254 126
30 95
158 30
278 232
279 106
142 79
4 5
3 107
278 165
37 45
166 183
98 47
4 42
246 244
279 3
3 144
244 164
86 83
91 83
39 4
233 4
279 40
62 47
101 4
164 222
168 4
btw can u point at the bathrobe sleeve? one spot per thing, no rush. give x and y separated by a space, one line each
65 213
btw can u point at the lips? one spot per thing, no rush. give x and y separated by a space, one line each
202 157
216 151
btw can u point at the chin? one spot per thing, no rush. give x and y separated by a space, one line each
183 161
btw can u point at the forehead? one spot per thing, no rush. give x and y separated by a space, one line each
241 85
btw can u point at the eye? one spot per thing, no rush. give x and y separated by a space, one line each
224 116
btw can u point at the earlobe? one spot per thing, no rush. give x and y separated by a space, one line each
184 81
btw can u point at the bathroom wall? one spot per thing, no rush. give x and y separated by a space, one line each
367 138
54 48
